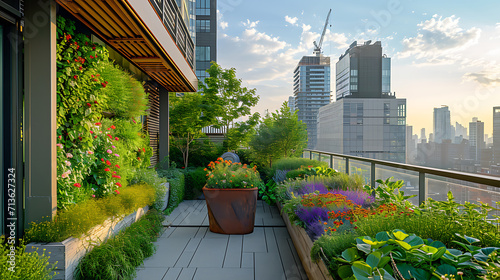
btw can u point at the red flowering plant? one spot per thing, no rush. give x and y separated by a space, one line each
224 174
72 171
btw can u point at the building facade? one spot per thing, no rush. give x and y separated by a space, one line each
363 72
442 124
365 127
151 39
206 36
476 138
311 89
496 135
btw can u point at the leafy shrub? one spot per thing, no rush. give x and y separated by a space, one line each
195 180
201 153
177 186
27 266
295 163
150 177
327 247
118 257
300 173
80 218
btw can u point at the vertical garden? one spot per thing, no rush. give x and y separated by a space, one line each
100 141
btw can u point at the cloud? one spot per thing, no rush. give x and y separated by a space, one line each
439 40
488 79
250 24
292 21
223 24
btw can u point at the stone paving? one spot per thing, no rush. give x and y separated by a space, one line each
188 250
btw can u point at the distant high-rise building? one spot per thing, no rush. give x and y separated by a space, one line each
460 132
496 135
311 89
206 36
423 136
363 72
366 120
476 138
411 145
431 137
442 124
291 103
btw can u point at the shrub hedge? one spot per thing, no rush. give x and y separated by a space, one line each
195 180
177 186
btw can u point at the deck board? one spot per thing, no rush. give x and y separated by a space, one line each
187 249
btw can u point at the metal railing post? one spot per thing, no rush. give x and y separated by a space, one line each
347 166
372 173
310 155
422 188
331 162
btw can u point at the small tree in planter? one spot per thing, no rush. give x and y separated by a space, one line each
231 196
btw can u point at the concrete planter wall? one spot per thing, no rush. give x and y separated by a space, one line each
69 252
303 245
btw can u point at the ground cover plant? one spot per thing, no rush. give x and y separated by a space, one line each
119 256
177 181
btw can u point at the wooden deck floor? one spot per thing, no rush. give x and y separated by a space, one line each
188 250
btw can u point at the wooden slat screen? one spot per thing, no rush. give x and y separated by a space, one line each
152 124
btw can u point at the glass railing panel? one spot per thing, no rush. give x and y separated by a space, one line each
361 168
315 156
410 178
325 158
339 164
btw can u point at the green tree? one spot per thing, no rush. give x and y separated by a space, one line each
224 91
280 134
186 121
240 134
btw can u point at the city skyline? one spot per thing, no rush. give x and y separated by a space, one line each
441 54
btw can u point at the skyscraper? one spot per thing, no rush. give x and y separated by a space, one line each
311 89
496 135
291 103
423 136
366 120
363 72
206 36
442 124
476 138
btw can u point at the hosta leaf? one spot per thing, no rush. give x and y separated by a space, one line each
399 234
350 254
345 271
361 270
446 269
437 244
373 259
382 236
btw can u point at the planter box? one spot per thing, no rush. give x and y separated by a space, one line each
303 245
69 252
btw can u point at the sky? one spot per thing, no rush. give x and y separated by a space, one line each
443 52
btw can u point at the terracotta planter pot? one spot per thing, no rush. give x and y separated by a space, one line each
231 211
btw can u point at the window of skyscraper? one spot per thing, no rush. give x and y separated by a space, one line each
401 110
202 7
202 25
203 53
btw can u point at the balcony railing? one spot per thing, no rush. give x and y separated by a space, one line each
171 17
422 181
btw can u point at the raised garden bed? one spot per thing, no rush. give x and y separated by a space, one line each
303 245
68 253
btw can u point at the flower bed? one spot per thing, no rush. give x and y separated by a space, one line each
386 236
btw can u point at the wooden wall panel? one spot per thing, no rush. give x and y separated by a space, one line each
152 124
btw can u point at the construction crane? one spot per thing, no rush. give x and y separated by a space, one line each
317 47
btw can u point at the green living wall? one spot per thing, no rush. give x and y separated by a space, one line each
99 134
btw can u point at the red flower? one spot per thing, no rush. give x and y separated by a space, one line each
116 138
93 48
75 77
108 162
80 68
90 105
109 135
118 184
109 128
114 172
92 57
92 76
106 82
133 120
138 158
113 127
117 192
68 37
103 84
77 185
102 159
144 149
60 136
116 176
91 132
107 169
95 102
98 123
182 167
117 166
95 137
79 138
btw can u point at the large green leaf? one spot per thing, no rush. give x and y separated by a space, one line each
361 270
446 269
385 275
382 236
345 271
399 234
350 254
414 240
437 244
403 244
469 239
373 259
366 248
